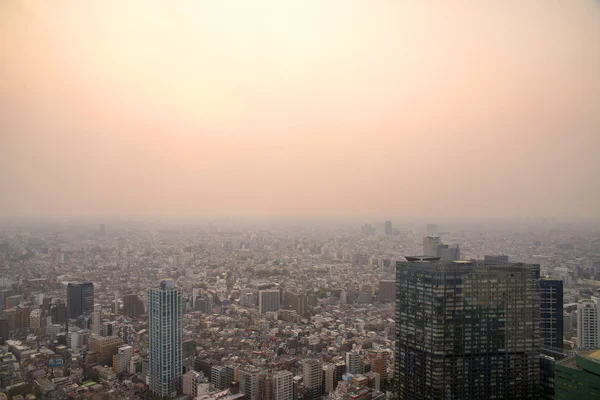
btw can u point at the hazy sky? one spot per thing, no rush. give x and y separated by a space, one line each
300 108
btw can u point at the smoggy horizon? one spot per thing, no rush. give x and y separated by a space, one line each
318 109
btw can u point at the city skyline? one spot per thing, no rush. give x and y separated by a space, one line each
314 110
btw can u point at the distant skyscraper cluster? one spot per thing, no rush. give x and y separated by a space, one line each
433 247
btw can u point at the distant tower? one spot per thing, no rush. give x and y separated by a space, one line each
430 246
116 302
102 230
80 299
388 228
165 337
432 229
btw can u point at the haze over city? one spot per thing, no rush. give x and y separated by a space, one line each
310 109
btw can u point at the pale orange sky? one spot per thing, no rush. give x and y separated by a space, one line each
300 108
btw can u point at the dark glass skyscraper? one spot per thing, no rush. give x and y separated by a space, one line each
467 330
551 313
80 299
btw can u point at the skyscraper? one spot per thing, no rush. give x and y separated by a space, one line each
165 337
388 228
80 299
467 330
551 313
268 301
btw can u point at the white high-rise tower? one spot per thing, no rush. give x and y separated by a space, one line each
588 324
165 337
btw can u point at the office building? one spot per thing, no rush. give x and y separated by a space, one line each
268 301
231 374
467 330
387 291
433 247
58 311
5 294
80 299
78 338
292 300
430 246
165 338
587 324
578 376
595 270
448 252
97 320
218 377
265 385
497 259
35 321
108 329
3 329
249 382
380 361
283 385
106 347
312 373
333 375
353 362
133 306
432 229
191 379
551 313
122 359
13 301
388 228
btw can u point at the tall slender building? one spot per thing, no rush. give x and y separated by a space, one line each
551 313
80 299
97 319
165 337
467 330
588 324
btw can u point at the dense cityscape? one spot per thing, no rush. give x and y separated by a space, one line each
290 311
299 200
